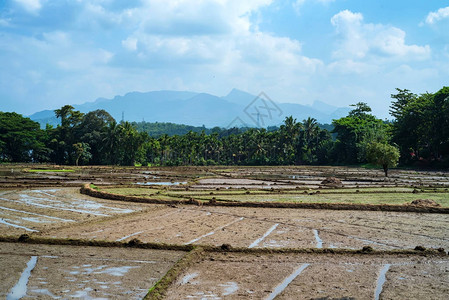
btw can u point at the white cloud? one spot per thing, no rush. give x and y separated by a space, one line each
440 14
325 1
207 46
349 66
297 4
177 34
359 40
31 6
103 48
5 23
130 43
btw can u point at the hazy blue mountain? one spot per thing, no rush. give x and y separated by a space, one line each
198 109
324 107
239 97
45 117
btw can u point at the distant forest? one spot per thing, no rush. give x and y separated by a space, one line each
159 129
419 134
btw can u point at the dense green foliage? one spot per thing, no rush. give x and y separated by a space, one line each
355 132
421 126
383 155
158 129
20 139
420 131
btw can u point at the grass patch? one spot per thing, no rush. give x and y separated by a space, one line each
356 198
159 290
372 196
141 192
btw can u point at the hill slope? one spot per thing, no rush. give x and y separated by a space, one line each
198 109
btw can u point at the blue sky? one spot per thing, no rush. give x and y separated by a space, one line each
56 52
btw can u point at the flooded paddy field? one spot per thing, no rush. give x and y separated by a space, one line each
62 272
212 177
34 210
270 228
45 202
311 276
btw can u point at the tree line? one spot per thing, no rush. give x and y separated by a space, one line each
419 133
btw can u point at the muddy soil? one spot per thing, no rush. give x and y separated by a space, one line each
35 210
308 276
19 175
75 272
37 204
29 175
267 227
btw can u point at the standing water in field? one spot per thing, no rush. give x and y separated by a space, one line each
161 183
381 281
319 241
20 289
256 242
280 288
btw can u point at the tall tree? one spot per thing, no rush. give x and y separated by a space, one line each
92 131
67 134
355 131
383 155
289 133
20 138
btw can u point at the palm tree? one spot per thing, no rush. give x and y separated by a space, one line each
311 129
310 140
110 141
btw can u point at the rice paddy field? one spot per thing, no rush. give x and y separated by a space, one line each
292 232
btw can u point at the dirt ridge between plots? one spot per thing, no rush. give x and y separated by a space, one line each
159 290
88 190
195 254
135 243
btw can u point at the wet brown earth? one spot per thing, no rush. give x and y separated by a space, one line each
67 272
269 227
40 204
311 276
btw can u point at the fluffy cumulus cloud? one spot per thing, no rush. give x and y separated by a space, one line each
363 40
298 4
31 6
57 52
434 17
204 45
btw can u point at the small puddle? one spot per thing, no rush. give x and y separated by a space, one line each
2 221
229 288
116 271
269 231
20 289
29 200
381 281
186 279
161 183
128 236
213 232
280 288
319 242
45 292
34 214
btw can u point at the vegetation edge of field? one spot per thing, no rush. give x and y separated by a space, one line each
88 190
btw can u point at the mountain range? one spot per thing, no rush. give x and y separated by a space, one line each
237 109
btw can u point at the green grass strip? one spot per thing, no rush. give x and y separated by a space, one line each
159 290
